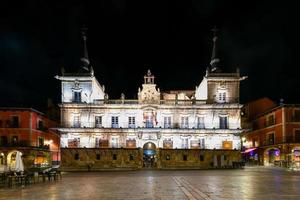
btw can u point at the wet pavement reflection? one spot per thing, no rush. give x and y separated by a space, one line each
249 183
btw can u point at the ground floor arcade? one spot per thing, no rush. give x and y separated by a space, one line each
31 157
284 155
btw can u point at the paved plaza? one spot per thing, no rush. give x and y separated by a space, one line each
249 183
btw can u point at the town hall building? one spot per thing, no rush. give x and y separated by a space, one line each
197 128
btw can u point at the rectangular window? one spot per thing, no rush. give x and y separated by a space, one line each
114 142
76 121
115 122
149 121
167 122
114 157
15 139
221 96
98 121
74 143
223 122
167 143
185 143
3 140
131 122
98 156
76 156
97 142
200 122
184 157
202 143
270 138
40 125
297 136
131 157
184 122
41 142
77 97
201 157
15 122
296 116
168 157
270 120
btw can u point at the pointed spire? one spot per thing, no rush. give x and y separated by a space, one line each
85 58
214 58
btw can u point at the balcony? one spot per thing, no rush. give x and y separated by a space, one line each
279 140
9 124
22 144
136 101
206 126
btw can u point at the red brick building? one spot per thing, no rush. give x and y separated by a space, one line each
28 131
274 135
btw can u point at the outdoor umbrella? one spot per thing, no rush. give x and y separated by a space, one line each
19 163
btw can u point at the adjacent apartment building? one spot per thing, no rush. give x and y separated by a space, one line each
28 131
274 135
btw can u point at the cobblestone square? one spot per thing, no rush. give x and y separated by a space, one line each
249 183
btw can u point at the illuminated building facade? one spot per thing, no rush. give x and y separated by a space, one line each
207 117
28 131
274 135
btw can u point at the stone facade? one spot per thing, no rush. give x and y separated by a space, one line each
94 159
206 118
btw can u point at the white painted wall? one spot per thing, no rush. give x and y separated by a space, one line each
201 90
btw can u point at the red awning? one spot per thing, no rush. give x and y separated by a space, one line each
249 150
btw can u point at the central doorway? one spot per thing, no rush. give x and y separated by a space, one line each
149 155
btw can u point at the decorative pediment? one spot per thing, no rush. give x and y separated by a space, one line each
149 93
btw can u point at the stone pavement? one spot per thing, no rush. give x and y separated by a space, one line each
250 183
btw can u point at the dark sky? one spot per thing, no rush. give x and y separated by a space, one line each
37 38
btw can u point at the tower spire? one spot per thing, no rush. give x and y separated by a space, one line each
85 58
214 58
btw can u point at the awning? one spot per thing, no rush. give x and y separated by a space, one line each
249 150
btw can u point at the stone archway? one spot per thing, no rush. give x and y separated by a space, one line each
11 159
149 155
295 157
2 162
271 155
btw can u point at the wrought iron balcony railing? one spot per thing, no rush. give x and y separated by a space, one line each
155 125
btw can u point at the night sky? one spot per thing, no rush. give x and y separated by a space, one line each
125 38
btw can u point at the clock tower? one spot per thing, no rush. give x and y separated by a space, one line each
149 94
